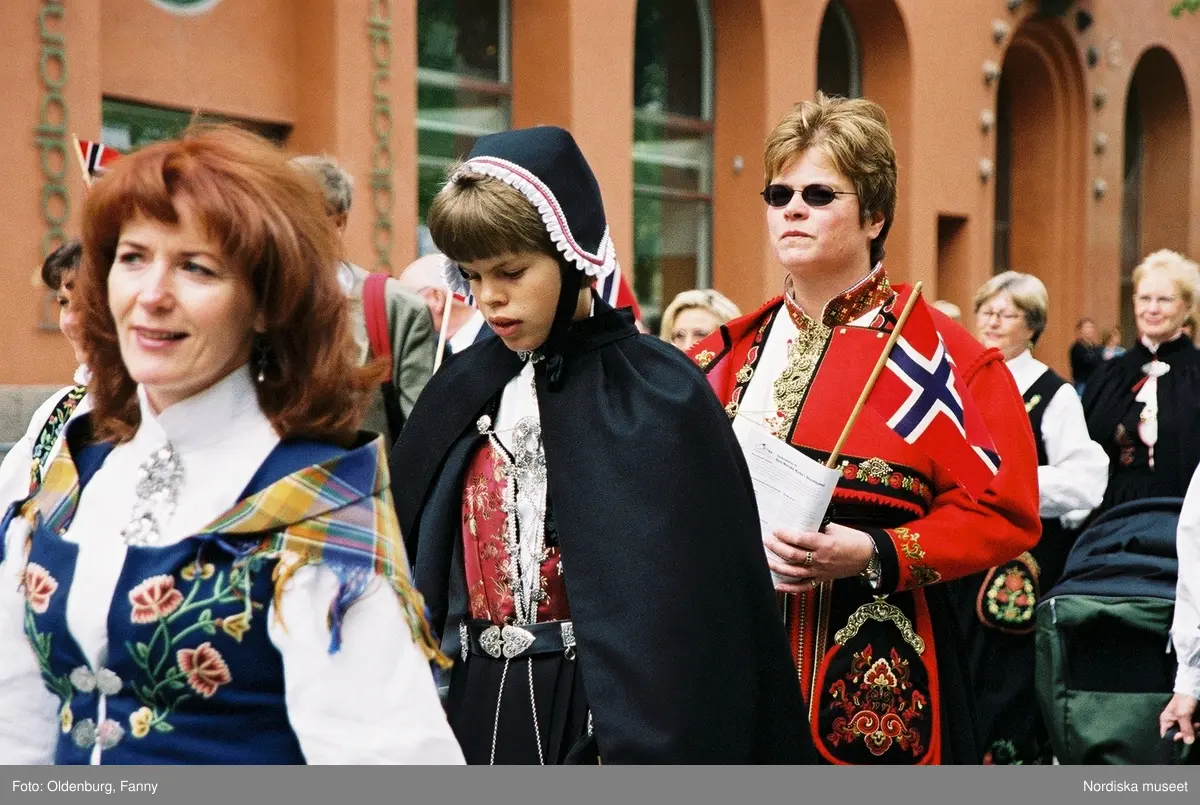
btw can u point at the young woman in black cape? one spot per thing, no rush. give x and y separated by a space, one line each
582 521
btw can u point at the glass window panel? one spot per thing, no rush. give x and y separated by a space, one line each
672 151
437 152
463 37
670 249
431 176
461 110
462 89
668 57
127 126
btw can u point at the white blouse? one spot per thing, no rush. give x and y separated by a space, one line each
1076 473
1185 629
372 702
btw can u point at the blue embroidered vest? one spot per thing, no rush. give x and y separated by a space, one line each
191 674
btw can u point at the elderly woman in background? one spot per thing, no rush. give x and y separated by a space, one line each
692 315
24 465
1144 406
998 604
212 571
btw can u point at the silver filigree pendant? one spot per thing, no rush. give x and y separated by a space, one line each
158 480
527 449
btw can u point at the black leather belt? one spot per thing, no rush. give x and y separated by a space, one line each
510 642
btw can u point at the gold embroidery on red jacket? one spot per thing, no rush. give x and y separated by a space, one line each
920 573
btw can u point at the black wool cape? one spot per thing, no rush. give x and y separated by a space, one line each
680 638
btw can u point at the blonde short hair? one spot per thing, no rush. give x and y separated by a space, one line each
714 302
853 135
1027 292
1184 273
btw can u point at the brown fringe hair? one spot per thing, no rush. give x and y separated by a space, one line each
269 220
853 135
480 217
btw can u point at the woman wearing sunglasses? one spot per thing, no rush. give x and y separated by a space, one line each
878 691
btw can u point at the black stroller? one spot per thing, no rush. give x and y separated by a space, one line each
1105 666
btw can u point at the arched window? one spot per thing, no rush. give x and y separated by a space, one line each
1131 204
464 89
839 65
672 150
1002 229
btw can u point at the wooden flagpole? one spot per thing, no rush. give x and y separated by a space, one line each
879 364
87 177
443 330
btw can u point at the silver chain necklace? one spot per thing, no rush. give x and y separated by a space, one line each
526 547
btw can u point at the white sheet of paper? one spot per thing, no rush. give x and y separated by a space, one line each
793 491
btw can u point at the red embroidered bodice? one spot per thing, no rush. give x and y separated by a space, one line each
485 557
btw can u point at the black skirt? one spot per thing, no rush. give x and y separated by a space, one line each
1009 724
481 682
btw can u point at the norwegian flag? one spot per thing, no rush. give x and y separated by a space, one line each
614 289
97 157
924 400
919 394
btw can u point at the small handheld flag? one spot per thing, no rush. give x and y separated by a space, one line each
917 391
94 158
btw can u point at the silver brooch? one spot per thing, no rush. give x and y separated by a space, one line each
1155 368
158 481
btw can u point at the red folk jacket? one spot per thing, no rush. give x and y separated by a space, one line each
869 668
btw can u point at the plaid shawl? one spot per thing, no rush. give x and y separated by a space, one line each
337 513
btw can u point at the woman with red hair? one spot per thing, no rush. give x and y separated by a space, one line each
212 570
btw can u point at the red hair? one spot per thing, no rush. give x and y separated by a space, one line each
269 220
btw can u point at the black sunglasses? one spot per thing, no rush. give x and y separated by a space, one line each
814 195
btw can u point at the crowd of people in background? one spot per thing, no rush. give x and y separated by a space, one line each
289 511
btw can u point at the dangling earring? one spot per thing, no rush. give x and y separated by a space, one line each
261 349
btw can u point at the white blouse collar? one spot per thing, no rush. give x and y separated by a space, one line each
1022 361
222 412
1153 347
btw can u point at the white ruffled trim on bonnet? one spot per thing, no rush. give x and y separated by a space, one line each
597 265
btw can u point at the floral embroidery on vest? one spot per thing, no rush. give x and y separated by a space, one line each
172 675
40 587
878 705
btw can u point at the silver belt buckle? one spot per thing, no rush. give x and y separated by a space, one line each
508 641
